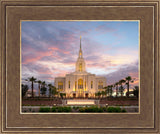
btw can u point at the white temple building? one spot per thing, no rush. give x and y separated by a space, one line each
80 83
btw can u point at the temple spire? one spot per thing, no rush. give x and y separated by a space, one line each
80 42
80 50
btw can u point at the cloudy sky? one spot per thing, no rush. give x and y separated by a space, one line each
50 48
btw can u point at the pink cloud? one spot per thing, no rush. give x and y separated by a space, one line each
38 56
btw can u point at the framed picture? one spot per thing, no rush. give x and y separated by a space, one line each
61 61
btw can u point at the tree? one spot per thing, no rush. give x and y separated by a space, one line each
32 80
96 94
121 88
24 90
43 84
111 91
99 94
62 95
54 91
107 91
50 89
43 90
136 91
128 80
103 93
116 85
39 86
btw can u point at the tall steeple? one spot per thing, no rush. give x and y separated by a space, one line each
80 42
80 50
80 64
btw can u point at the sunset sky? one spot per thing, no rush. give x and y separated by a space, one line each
50 48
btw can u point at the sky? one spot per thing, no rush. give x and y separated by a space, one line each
50 49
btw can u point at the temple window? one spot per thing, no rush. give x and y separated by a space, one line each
75 85
80 67
80 84
85 85
100 85
91 84
68 84
60 86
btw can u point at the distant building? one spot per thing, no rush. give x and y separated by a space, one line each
80 83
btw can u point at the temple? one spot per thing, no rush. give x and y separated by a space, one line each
80 84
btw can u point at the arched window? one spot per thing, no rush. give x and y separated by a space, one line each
85 86
91 84
69 84
100 85
80 84
60 86
75 85
80 67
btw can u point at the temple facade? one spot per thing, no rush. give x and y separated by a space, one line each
80 83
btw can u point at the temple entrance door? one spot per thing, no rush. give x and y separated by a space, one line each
80 88
80 93
74 95
86 95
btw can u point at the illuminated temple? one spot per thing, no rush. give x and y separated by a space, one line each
80 83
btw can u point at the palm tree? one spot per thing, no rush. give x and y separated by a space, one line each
111 91
96 94
99 94
43 83
43 88
136 91
39 86
108 90
105 90
128 80
50 89
54 91
116 85
103 93
121 88
32 80
24 89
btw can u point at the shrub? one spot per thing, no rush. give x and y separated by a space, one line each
90 109
114 109
44 109
53 109
60 109
104 109
124 110
67 109
77 108
82 109
64 109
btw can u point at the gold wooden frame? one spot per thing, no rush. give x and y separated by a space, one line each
147 12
